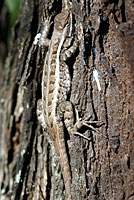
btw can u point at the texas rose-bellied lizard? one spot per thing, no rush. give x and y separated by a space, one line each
54 108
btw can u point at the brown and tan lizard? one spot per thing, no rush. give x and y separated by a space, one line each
54 108
55 86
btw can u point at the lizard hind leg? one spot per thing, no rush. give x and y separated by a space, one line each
65 111
68 115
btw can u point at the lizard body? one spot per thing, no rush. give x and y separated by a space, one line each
55 86
54 107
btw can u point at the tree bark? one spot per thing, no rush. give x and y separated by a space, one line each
102 87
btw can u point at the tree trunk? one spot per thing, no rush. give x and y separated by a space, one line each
102 87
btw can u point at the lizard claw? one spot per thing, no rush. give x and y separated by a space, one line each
81 135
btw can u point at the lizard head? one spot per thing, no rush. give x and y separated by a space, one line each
61 20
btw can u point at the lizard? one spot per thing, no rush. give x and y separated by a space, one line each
54 111
51 86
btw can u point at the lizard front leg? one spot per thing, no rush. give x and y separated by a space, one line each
68 52
41 114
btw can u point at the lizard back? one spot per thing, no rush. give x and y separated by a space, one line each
56 79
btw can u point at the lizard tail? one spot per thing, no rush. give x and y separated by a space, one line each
64 162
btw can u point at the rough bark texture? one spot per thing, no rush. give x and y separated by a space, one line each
101 169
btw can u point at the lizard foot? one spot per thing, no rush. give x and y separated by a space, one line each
84 122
